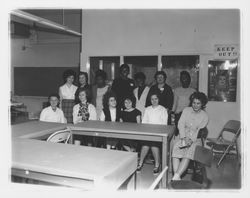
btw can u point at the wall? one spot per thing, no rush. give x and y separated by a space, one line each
165 32
48 50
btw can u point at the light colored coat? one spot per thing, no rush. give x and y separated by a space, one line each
141 103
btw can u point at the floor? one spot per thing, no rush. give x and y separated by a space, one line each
226 176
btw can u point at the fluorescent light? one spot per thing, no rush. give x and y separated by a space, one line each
24 15
54 25
43 21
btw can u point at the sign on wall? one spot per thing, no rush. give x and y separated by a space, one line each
226 51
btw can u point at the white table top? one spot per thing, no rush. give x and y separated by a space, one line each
108 168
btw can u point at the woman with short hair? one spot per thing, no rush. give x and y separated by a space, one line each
53 113
67 94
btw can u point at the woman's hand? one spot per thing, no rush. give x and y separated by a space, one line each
186 141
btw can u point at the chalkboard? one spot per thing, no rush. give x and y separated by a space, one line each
39 81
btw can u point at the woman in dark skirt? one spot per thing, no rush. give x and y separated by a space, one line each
130 114
67 95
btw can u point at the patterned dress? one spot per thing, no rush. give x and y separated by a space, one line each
189 125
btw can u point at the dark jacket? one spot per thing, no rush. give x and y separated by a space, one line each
166 96
108 116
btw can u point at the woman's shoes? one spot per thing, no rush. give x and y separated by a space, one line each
156 169
139 167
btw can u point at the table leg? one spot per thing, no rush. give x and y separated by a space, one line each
164 160
131 185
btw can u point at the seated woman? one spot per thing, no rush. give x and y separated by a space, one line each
53 113
154 114
130 114
84 111
110 113
192 120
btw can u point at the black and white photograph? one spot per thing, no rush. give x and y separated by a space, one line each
126 99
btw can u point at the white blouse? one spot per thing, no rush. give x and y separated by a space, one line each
91 110
66 92
156 115
49 115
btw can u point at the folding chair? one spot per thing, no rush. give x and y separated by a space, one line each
204 157
220 143
60 136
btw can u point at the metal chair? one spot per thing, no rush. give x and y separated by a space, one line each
61 136
204 157
222 144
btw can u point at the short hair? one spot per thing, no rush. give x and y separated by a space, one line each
160 73
101 73
201 97
67 73
85 74
140 75
185 73
131 98
123 66
156 92
106 97
54 95
87 92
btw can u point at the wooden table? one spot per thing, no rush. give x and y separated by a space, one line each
69 165
150 132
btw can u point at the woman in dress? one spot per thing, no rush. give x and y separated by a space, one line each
130 114
67 94
154 114
192 120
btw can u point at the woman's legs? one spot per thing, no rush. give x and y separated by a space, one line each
183 166
156 155
176 163
144 152
179 167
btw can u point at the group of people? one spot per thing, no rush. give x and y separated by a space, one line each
128 100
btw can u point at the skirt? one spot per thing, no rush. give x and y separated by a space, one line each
185 152
67 108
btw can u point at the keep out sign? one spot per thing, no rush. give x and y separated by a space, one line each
226 51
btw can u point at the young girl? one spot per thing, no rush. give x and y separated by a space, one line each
130 114
67 94
110 113
154 114
84 111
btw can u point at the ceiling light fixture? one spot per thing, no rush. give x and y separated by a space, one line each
43 21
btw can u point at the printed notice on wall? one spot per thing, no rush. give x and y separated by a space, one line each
226 51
